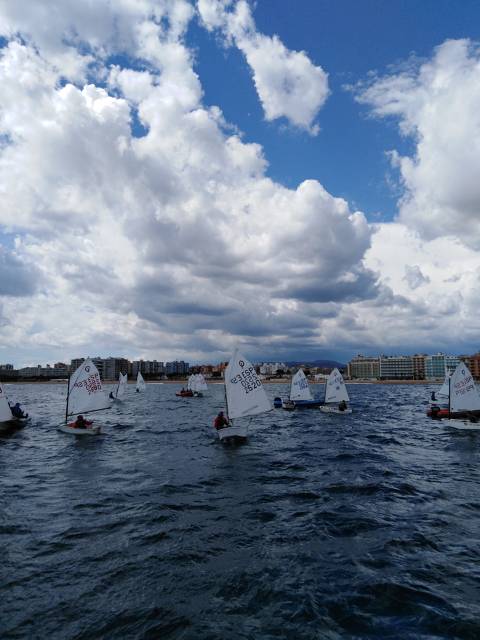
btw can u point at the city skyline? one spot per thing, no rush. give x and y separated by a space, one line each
295 179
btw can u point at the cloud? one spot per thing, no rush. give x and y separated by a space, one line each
437 106
17 279
414 276
287 82
170 242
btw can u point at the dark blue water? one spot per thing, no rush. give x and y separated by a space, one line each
360 526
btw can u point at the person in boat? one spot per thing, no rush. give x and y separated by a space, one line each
81 423
17 411
220 421
111 396
433 397
342 406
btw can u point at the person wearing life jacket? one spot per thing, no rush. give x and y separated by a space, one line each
81 423
342 405
220 421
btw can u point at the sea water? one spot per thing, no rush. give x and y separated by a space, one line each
320 526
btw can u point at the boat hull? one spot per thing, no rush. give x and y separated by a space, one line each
290 405
91 431
437 413
326 409
237 433
14 423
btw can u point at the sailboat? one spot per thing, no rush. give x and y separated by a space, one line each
141 386
336 394
463 399
441 396
7 419
84 395
300 394
200 384
244 395
120 389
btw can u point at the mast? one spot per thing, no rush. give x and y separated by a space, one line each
225 391
68 395
449 394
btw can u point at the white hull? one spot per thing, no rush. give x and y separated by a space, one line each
326 409
463 426
232 432
92 431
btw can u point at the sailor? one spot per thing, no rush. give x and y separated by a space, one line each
81 423
342 405
17 411
111 396
433 398
220 421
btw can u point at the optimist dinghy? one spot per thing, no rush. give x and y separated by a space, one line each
84 395
300 394
336 394
7 419
463 401
244 396
120 389
141 386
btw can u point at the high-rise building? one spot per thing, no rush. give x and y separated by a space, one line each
419 366
364 367
113 367
396 367
176 368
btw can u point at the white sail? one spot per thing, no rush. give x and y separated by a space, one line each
191 383
122 386
85 392
245 393
463 392
336 391
201 383
5 413
140 382
443 391
300 389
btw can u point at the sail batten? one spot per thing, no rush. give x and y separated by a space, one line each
244 390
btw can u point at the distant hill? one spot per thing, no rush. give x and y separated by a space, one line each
326 364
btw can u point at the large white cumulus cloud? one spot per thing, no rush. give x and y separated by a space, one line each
437 105
288 83
167 244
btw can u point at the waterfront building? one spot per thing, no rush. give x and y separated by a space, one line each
437 365
6 367
272 368
177 368
148 368
396 367
364 367
419 366
113 367
473 363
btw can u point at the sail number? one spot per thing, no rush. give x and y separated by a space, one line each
92 384
248 379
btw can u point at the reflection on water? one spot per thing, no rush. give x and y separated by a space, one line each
321 526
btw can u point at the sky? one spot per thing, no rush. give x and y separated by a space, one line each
298 179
